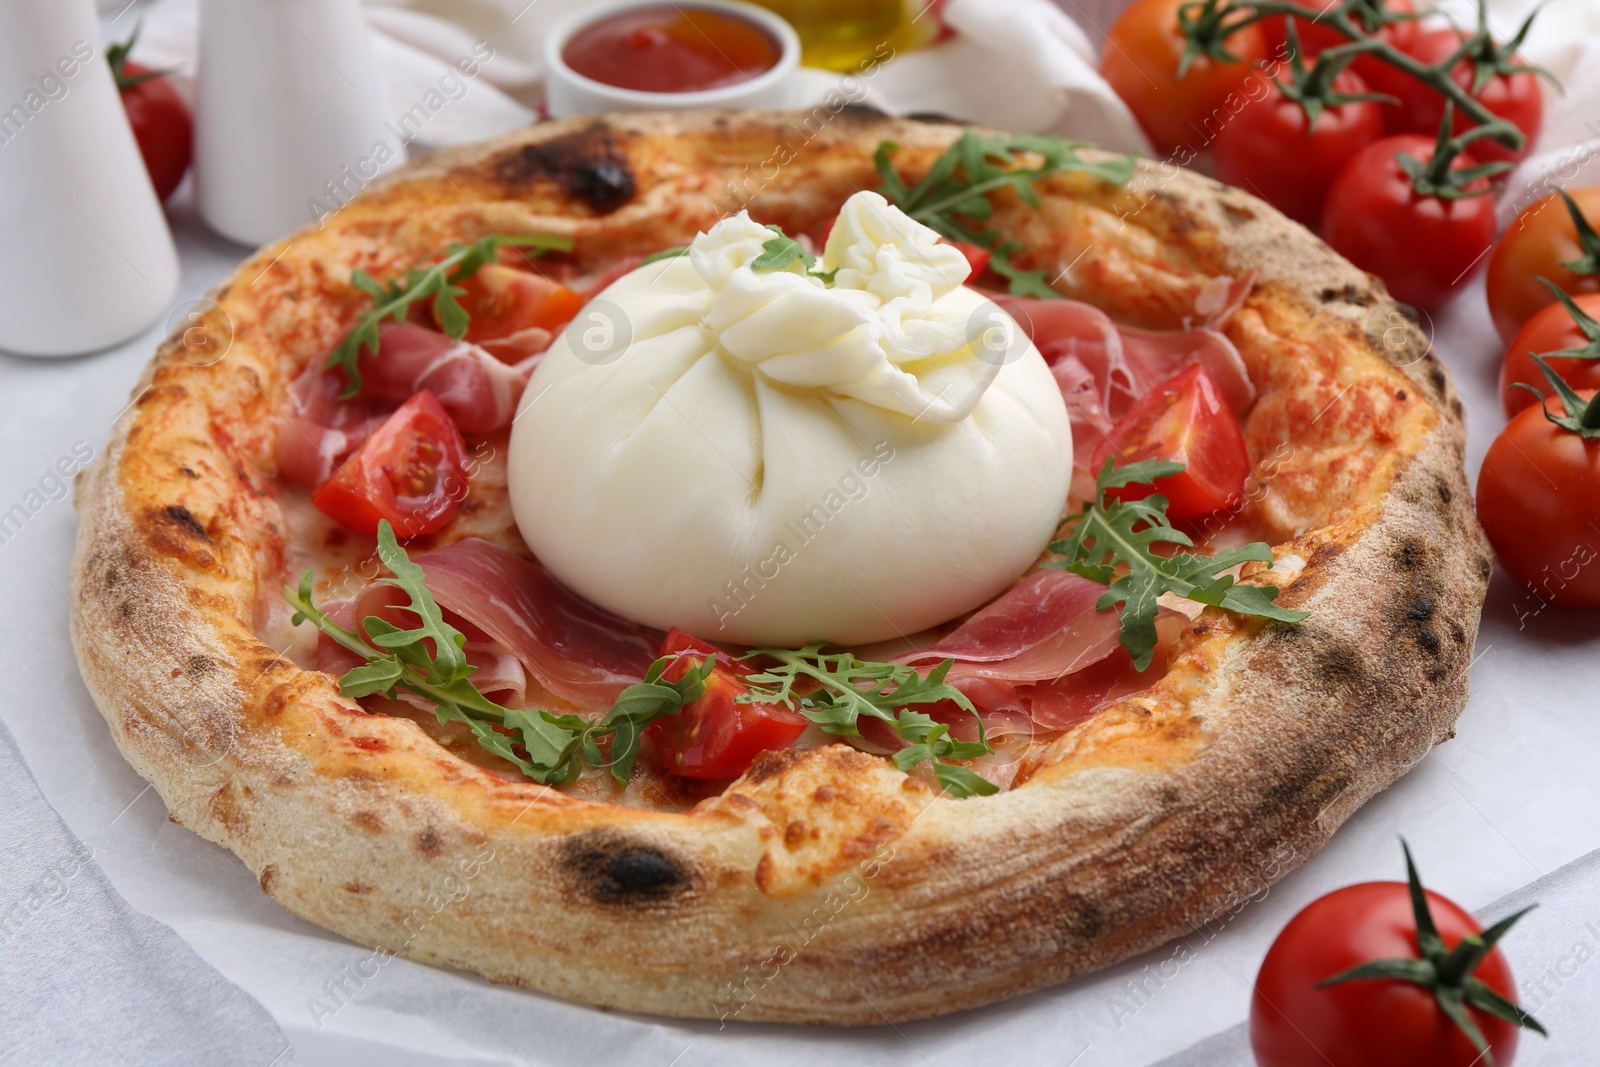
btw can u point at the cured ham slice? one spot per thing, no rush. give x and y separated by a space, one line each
1102 368
1041 656
321 428
479 391
520 624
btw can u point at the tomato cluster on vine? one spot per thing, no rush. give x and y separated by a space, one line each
1362 120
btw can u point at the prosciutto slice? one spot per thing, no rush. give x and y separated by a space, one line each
1041 655
1102 368
519 622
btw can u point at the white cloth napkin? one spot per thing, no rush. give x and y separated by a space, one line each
1013 65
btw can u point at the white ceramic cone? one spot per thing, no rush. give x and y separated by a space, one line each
290 114
86 259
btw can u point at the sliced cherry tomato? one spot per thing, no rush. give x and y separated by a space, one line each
1515 97
1140 60
977 258
716 736
411 471
1539 502
1535 246
160 120
1548 331
1373 1022
1422 246
504 300
1184 419
1270 149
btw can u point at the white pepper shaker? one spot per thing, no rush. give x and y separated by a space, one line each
289 115
86 258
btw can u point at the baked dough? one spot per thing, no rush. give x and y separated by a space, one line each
826 886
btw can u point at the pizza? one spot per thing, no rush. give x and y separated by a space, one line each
713 565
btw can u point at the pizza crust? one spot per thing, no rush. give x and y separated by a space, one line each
825 886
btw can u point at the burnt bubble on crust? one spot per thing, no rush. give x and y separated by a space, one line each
589 165
612 868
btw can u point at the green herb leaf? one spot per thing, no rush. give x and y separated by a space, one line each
781 253
834 690
439 281
953 196
1112 542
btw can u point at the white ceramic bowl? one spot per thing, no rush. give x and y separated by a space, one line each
569 93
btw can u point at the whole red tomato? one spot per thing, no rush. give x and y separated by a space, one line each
159 117
1539 501
1515 97
1270 149
1537 245
1550 330
1422 246
1299 1019
1140 60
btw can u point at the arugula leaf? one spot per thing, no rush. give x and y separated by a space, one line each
428 660
783 252
953 196
834 690
1111 542
440 281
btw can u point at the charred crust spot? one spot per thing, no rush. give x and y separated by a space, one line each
429 843
179 516
1400 394
268 875
368 821
1429 641
1445 494
370 744
1083 918
125 610
1422 609
589 166
610 868
200 664
1485 569
1436 376
187 472
1458 408
1410 554
1340 665
1348 294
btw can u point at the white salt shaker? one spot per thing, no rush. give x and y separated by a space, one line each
86 259
289 116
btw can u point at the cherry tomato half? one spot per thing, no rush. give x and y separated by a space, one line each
1539 502
161 124
716 736
1373 1022
1140 60
1549 330
1534 246
1184 419
1422 246
977 258
1517 97
1270 149
411 471
503 300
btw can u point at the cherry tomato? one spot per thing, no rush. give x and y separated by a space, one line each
1140 60
1184 419
977 258
1549 330
1422 246
1534 246
1269 149
161 124
503 300
411 471
1517 98
1316 36
1370 1022
1539 502
716 736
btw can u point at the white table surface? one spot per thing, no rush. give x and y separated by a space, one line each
1502 814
